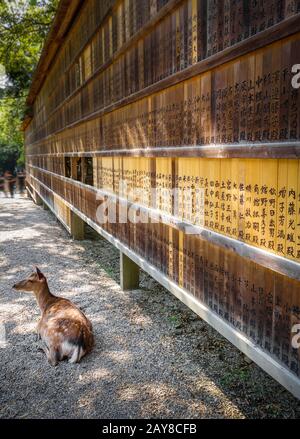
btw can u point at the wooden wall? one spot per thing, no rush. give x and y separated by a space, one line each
192 95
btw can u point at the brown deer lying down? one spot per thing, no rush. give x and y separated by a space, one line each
63 328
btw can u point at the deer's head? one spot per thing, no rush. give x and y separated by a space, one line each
32 283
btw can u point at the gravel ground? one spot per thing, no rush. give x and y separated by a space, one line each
153 358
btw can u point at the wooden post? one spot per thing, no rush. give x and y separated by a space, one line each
29 195
37 199
77 227
129 273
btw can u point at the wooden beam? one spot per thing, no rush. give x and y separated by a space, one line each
264 258
273 367
274 150
31 191
66 11
279 31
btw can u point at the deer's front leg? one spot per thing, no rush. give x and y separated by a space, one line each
38 331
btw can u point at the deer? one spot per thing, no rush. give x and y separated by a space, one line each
65 331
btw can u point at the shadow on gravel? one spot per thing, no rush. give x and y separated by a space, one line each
153 356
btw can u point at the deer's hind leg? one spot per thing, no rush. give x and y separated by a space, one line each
52 356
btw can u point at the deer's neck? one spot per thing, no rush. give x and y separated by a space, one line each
43 296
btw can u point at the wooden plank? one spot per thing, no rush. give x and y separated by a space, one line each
273 34
273 367
201 102
272 261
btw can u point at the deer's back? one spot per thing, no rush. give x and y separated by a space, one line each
64 325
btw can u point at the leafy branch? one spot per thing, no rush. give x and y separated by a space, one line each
24 25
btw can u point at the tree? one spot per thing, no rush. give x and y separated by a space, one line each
24 25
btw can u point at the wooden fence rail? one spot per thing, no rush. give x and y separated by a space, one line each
190 105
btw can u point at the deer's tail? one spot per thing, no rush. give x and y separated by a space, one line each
81 345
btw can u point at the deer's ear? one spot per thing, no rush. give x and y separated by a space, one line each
39 273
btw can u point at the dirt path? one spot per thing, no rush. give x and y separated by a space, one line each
153 357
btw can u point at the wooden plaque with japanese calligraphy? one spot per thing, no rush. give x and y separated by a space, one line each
185 114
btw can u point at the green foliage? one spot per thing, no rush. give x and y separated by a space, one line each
11 138
8 157
24 25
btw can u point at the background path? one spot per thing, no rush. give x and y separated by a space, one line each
153 357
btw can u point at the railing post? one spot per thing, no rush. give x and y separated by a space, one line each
129 273
77 227
37 199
